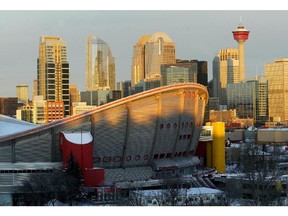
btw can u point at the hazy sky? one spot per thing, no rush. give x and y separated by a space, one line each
198 34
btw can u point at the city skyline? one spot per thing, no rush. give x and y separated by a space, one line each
197 35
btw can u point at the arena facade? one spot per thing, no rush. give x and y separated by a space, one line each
139 137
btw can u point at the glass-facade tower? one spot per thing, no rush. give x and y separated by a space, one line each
249 98
100 65
179 73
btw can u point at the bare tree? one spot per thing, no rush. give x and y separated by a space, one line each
40 188
65 184
260 174
172 190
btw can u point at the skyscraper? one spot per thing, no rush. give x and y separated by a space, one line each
138 60
277 76
149 54
225 70
53 71
100 65
160 49
249 98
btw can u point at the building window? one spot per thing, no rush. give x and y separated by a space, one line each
168 155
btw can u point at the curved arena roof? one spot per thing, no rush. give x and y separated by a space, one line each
158 124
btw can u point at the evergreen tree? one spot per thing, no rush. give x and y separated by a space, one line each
73 178
73 169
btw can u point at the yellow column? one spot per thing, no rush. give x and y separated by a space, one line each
218 148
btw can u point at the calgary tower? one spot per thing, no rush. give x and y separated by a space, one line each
241 35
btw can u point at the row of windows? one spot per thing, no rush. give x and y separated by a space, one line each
26 171
118 158
185 137
138 157
175 125
177 154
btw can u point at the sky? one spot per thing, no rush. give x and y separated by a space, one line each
198 32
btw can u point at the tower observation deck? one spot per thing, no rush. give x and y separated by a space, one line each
241 35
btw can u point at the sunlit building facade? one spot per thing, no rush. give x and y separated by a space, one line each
263 108
55 111
277 76
25 113
131 140
8 106
39 110
100 65
138 60
225 70
53 71
80 107
22 93
160 49
74 97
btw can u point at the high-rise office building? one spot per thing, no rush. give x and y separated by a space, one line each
249 98
100 65
53 71
263 112
202 72
138 60
225 70
277 76
22 93
181 72
149 54
160 49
